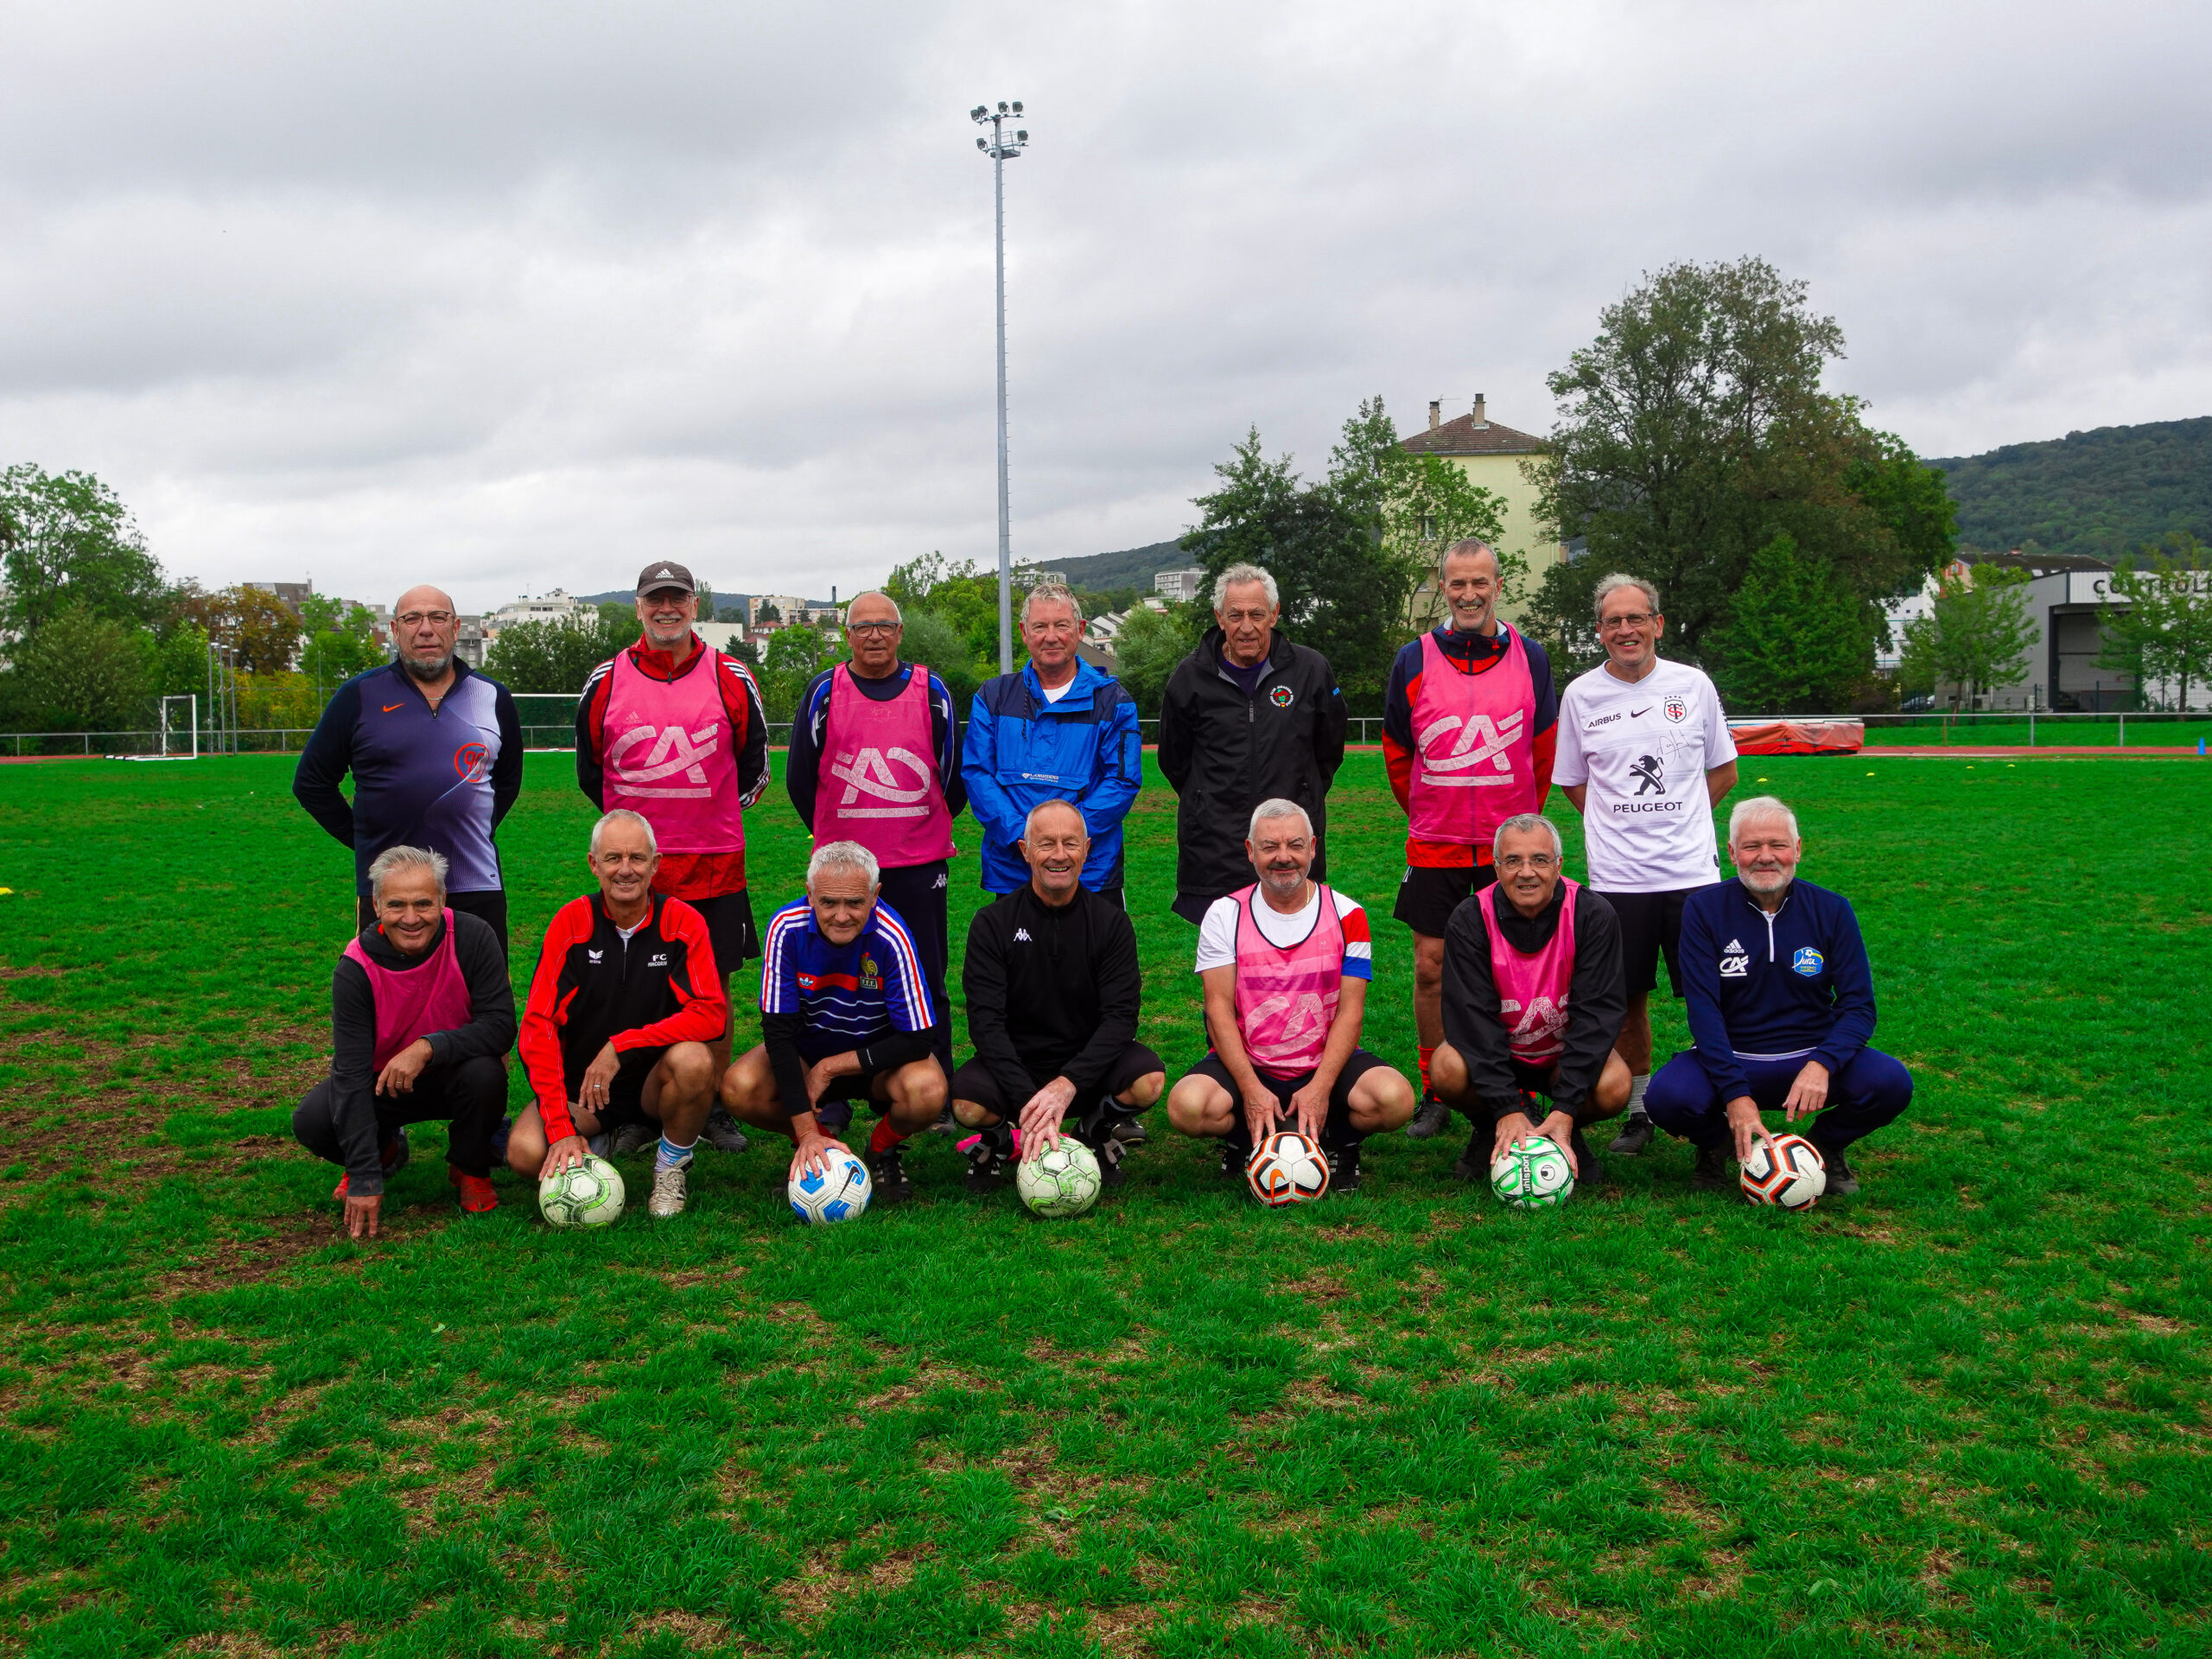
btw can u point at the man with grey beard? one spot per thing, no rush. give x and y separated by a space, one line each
435 751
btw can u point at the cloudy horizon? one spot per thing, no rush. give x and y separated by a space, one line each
513 298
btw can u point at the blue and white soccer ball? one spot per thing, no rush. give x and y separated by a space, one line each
838 1193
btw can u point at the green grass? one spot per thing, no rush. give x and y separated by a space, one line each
1963 1413
2069 731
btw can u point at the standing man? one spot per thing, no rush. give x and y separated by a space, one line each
1782 1010
435 751
1286 963
1247 717
626 999
1644 755
875 757
1053 990
674 731
1469 719
1058 730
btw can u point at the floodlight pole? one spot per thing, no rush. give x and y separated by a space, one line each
1001 150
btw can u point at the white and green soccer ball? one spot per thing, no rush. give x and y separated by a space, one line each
588 1194
1059 1182
1533 1174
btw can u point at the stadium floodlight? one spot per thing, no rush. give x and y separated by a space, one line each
1002 147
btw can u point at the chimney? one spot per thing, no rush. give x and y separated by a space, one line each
1481 418
1435 413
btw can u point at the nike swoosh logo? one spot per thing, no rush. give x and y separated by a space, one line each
1639 714
389 707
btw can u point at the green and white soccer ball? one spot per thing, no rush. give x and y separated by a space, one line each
1533 1174
1059 1182
588 1194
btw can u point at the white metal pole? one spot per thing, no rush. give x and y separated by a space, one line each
1005 527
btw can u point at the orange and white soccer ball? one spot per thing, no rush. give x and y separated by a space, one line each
1787 1172
1286 1168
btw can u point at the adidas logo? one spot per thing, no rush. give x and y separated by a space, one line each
663 571
1021 936
1734 946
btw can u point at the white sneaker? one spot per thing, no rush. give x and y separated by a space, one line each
669 1196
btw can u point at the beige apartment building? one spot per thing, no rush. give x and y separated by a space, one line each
1490 453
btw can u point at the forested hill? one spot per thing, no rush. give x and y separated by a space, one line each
1135 567
2101 493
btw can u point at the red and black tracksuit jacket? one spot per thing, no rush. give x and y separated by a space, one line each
593 987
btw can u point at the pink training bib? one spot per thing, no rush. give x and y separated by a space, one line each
669 759
1286 996
1532 990
877 781
1474 745
411 1002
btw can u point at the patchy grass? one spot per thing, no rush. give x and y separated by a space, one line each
1966 1412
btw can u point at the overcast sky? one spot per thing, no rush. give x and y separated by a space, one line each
514 296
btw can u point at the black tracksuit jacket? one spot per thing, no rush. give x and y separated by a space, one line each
1596 997
1051 993
1226 752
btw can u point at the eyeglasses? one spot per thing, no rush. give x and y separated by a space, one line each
1527 861
1633 620
416 619
871 627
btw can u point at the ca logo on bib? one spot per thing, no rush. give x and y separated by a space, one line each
868 772
1480 738
675 751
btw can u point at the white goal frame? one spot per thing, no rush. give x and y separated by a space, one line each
169 731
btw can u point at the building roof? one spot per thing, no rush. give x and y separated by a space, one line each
1466 437
2040 564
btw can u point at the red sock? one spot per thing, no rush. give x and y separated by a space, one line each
1427 1050
885 1137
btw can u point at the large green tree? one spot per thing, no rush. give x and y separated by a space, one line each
82 671
1975 637
1694 428
1796 642
71 544
795 655
555 656
2162 636
341 640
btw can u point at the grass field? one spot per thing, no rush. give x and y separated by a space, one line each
1966 1412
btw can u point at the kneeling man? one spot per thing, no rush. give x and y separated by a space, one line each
1051 982
1286 963
626 999
1533 1000
1781 1006
845 1015
419 1013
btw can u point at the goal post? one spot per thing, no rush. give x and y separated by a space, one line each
181 727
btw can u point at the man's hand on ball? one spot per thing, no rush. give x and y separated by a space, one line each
1260 1110
1808 1094
1559 1129
813 1153
1310 1106
1744 1123
362 1215
1514 1126
1042 1117
565 1154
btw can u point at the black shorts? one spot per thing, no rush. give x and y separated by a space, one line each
1428 897
729 917
860 1085
973 1082
1651 926
626 1096
1336 1131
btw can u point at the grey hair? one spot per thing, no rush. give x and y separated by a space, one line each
1524 821
624 814
1029 823
1760 806
1236 575
1052 593
1267 811
897 616
405 858
1608 586
842 856
1466 547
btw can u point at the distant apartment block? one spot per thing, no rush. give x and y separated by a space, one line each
1181 586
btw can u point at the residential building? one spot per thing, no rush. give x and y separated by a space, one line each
789 607
559 606
1181 586
1491 455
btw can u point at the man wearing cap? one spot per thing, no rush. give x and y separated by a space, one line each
674 730
875 758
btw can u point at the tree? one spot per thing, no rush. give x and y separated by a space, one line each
1694 428
81 671
931 640
966 599
1976 634
795 656
1796 642
767 613
1150 645
341 640
71 544
260 628
555 656
2164 635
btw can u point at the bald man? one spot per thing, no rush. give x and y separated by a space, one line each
435 751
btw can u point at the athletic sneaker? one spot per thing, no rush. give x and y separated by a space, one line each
1343 1169
987 1163
1590 1168
391 1155
670 1184
600 1144
946 1123
721 1132
1635 1136
1130 1131
1474 1162
1430 1119
1711 1174
476 1194
1233 1160
1109 1150
1841 1182
633 1137
835 1116
887 1170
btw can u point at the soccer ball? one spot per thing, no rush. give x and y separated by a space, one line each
588 1194
1788 1171
1286 1168
1060 1181
840 1192
1534 1174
